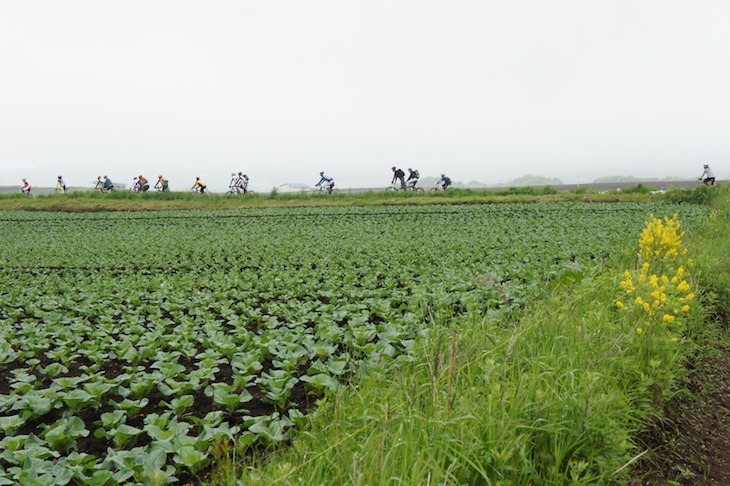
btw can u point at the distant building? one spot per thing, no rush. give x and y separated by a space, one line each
293 187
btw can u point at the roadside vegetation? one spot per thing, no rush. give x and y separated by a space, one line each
562 393
92 201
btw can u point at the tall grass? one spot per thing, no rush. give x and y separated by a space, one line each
541 401
555 396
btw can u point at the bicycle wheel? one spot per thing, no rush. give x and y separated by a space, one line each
434 189
418 189
392 189
250 192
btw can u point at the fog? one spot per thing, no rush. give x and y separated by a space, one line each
483 91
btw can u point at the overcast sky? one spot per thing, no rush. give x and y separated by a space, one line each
482 90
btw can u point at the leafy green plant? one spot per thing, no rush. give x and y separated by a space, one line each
63 433
277 386
114 428
180 405
227 396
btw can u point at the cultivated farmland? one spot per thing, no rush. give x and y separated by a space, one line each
131 342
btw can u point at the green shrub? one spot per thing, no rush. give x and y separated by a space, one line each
638 189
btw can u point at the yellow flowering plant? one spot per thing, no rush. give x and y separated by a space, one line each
656 304
657 293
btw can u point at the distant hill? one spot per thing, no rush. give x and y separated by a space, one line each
602 180
531 180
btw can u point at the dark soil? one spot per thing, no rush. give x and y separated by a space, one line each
693 446
300 398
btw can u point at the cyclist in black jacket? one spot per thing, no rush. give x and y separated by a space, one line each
399 175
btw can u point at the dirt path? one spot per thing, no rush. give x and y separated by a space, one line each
693 446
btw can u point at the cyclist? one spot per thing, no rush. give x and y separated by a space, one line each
708 177
26 187
413 177
444 182
243 182
327 182
399 175
144 184
233 185
108 184
60 185
199 186
162 184
105 184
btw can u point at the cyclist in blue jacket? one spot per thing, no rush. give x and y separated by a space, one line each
327 182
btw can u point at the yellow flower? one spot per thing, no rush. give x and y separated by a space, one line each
685 308
619 304
639 330
668 318
639 300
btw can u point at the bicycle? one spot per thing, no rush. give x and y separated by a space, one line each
238 190
398 187
323 190
104 190
438 188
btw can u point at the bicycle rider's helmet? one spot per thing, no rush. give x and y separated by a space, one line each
245 176
706 166
443 175
159 177
60 177
321 173
197 178
393 167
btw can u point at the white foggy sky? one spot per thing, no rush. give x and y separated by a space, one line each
481 90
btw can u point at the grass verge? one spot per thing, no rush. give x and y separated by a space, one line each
557 395
91 201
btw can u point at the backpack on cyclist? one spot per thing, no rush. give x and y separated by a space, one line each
416 174
447 181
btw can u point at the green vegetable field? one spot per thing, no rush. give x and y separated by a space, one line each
131 343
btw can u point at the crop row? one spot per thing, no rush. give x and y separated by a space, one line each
129 345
